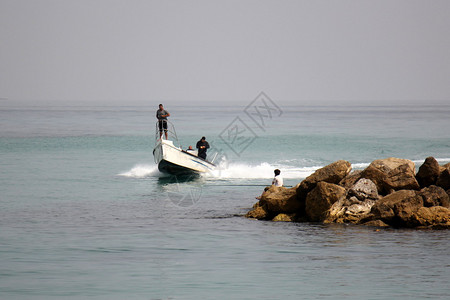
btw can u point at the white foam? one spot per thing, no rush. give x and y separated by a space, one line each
360 166
263 171
141 171
247 171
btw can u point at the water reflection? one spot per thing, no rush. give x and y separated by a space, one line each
182 190
176 179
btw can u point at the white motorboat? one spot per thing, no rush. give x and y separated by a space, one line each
172 159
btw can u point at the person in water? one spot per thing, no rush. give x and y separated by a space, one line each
277 180
161 115
202 146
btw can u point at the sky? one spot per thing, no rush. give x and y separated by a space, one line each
109 52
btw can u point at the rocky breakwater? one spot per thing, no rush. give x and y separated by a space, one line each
387 193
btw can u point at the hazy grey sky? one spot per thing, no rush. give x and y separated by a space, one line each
305 52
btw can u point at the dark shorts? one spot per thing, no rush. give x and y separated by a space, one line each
162 124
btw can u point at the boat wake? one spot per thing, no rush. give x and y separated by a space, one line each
248 171
142 171
230 171
261 171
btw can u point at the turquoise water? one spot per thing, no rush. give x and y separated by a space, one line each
84 213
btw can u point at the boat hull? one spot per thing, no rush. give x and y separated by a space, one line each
172 160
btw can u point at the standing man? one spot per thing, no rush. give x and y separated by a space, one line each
161 115
202 146
277 180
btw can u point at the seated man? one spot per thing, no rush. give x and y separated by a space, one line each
277 180
191 151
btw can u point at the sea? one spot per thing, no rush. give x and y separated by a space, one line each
85 213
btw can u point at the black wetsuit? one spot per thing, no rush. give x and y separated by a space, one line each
202 151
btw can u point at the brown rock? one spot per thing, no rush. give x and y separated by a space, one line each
392 174
350 179
258 212
321 198
376 223
428 172
444 178
284 218
280 200
336 212
332 173
434 196
397 206
378 177
437 217
402 178
405 210
388 164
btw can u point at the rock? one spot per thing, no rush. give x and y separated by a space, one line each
356 199
436 217
434 196
332 173
402 178
364 189
258 212
405 210
428 172
397 208
280 200
356 212
383 209
321 198
352 200
388 164
284 218
348 211
350 179
376 223
377 177
392 174
444 178
336 212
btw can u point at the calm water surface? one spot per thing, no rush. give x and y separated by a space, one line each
84 214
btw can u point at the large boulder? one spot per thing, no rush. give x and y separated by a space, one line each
332 173
402 178
280 200
428 172
397 208
434 196
436 217
321 198
444 177
392 174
